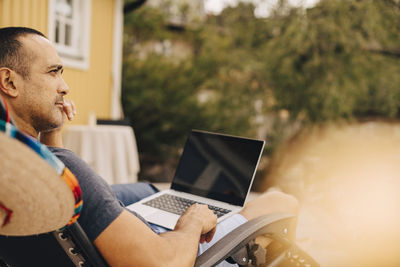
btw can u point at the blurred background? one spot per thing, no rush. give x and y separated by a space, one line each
318 80
262 69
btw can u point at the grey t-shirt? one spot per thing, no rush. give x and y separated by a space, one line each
100 206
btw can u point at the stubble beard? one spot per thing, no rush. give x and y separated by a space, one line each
49 121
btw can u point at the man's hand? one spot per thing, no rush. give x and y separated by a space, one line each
119 246
54 136
69 109
202 215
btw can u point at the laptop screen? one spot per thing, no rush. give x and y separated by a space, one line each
217 166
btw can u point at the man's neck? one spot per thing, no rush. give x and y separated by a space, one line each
24 126
52 138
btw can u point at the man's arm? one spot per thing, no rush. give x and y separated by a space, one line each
127 241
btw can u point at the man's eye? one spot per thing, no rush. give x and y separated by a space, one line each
54 72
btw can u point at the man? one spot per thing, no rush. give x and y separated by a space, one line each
31 84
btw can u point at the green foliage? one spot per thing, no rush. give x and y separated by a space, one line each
144 24
327 63
160 100
162 95
337 60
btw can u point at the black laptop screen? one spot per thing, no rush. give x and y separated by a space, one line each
218 166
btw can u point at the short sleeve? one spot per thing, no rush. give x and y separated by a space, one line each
100 206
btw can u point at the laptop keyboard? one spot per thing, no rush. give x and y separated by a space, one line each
178 205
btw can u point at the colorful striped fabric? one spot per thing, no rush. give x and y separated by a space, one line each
70 179
57 164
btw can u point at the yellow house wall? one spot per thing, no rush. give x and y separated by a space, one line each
90 89
29 13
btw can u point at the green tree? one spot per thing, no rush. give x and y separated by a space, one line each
160 100
214 88
337 60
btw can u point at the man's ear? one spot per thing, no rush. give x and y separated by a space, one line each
7 83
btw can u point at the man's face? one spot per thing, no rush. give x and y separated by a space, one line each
41 92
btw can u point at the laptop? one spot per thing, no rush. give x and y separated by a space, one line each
214 169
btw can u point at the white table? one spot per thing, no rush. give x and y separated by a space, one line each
109 149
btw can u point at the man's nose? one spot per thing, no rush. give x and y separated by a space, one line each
63 89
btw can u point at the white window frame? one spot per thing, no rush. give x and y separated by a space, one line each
75 55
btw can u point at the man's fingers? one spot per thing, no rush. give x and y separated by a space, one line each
209 236
73 107
69 108
202 214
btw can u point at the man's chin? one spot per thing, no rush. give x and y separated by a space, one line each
51 126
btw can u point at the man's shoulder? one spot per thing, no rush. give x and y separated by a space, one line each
72 161
59 150
100 206
63 153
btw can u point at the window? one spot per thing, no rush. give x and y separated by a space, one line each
69 30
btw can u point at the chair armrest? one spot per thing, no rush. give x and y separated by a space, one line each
274 224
